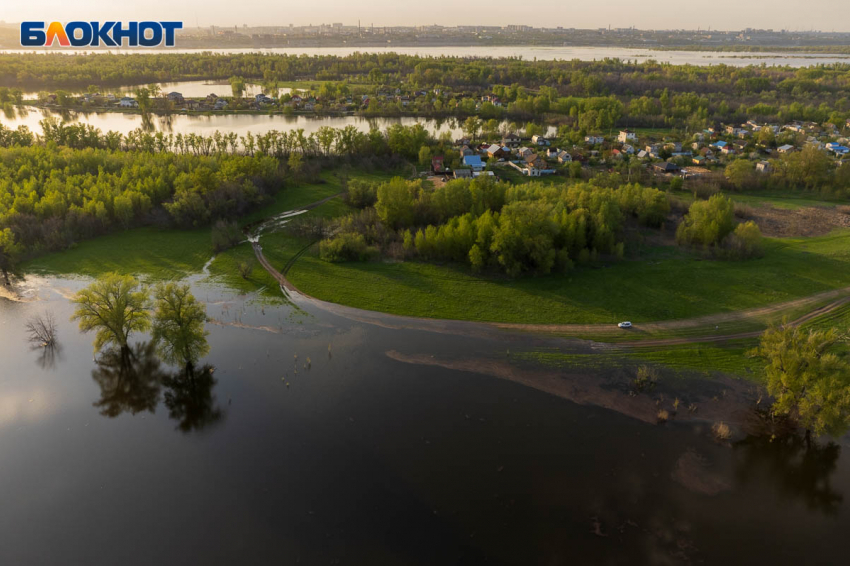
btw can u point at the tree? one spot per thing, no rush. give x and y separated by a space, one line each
114 306
740 173
178 325
808 381
424 156
10 252
295 163
396 201
237 86
707 222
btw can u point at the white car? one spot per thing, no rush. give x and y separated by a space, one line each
625 324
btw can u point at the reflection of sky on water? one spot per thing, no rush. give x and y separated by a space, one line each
358 457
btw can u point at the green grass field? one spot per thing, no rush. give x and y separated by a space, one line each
163 254
666 283
152 253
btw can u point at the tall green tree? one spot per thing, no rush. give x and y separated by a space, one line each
10 252
114 306
808 380
178 325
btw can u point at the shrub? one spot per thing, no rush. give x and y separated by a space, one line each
346 246
225 235
362 193
745 242
645 379
245 268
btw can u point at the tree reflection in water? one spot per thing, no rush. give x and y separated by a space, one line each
49 355
190 400
132 379
129 379
800 469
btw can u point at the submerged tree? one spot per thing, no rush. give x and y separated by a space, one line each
809 382
178 327
41 329
114 306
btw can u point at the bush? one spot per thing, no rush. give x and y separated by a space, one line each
225 235
345 247
745 242
245 268
362 193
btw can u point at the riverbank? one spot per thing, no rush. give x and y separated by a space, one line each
689 312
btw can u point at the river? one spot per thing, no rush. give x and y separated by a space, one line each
530 52
238 123
326 438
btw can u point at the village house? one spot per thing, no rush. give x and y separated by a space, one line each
465 150
626 136
511 140
175 97
628 149
594 140
763 167
524 151
565 157
437 164
785 148
498 151
463 173
127 102
539 140
473 162
666 167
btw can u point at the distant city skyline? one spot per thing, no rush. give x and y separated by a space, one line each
820 15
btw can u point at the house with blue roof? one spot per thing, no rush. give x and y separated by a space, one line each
473 161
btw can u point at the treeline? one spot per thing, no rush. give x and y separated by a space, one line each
52 197
492 225
588 95
327 141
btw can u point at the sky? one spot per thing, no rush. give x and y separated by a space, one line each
825 15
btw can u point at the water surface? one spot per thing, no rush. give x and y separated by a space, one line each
365 458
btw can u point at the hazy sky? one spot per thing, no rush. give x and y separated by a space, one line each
826 15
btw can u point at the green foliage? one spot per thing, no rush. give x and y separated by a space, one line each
807 379
344 247
486 223
178 325
53 197
745 242
740 173
362 193
10 252
396 201
225 235
113 306
707 222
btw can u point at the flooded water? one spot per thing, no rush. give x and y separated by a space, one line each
323 439
530 52
238 123
189 89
